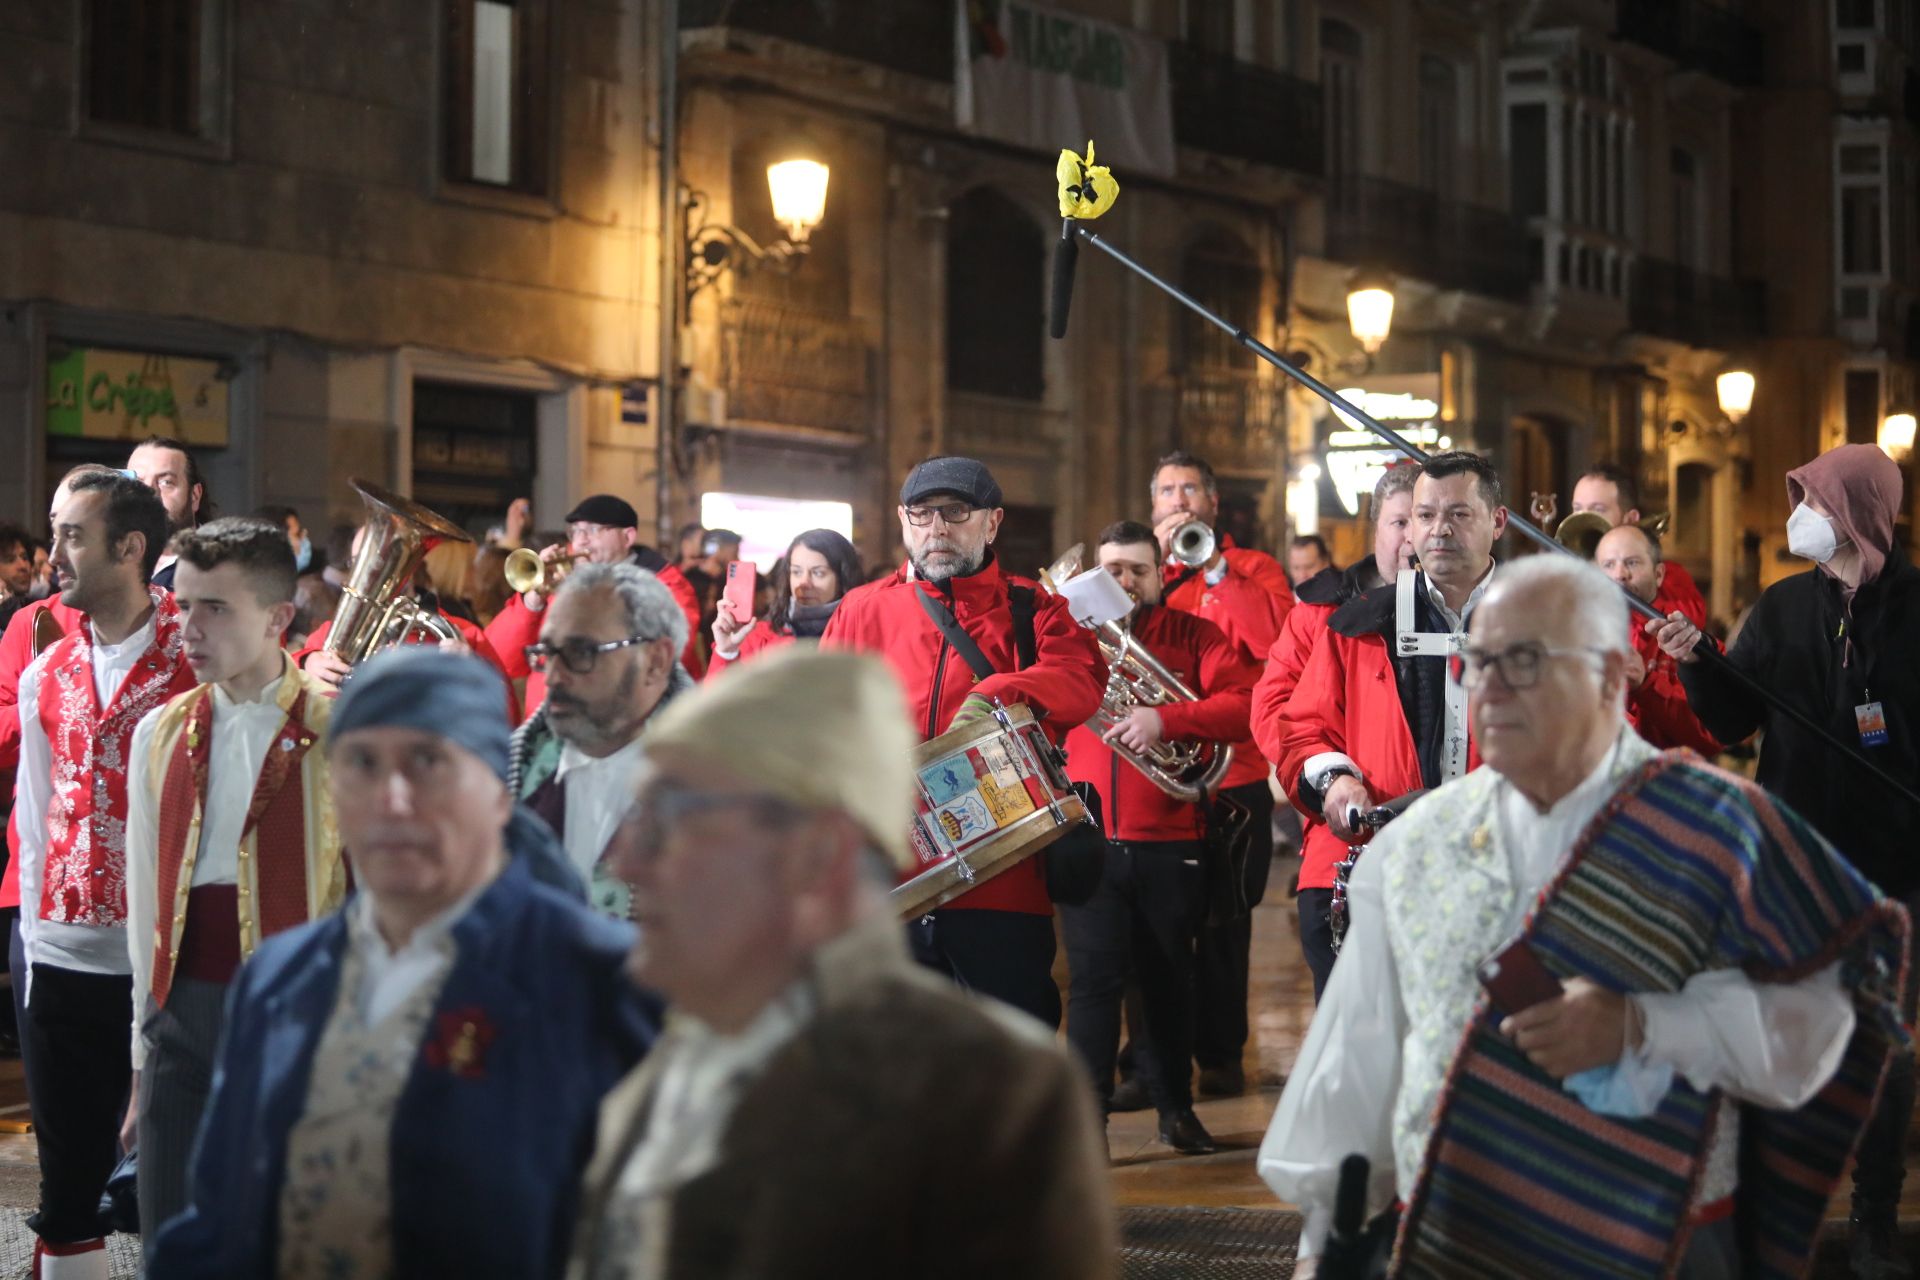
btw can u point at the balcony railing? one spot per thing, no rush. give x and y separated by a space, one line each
1235 108
786 367
1672 301
914 36
1232 418
1376 222
1697 35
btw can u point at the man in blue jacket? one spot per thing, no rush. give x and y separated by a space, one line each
409 1087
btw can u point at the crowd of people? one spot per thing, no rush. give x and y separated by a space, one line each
567 944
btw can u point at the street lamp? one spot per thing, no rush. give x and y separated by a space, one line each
1735 391
1370 309
1896 435
798 188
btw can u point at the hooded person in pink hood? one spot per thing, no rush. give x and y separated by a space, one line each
1838 643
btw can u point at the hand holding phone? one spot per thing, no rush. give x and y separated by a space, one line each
1516 979
739 590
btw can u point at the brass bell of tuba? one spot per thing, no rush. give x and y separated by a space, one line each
377 608
1186 771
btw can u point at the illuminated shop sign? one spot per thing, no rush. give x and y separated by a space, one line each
1355 457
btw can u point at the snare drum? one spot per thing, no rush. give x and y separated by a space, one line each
990 795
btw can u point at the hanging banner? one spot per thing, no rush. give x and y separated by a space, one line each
130 395
1044 79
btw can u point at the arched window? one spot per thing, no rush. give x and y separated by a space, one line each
996 265
1222 274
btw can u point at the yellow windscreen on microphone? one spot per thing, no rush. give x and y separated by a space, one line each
1087 190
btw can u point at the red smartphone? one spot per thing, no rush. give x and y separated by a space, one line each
1516 979
739 592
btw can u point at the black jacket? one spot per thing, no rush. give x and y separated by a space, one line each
1796 642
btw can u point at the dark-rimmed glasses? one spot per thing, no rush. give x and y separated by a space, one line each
577 655
949 513
1519 665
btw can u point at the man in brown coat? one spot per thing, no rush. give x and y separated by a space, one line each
820 1106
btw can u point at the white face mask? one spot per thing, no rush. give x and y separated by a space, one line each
1810 535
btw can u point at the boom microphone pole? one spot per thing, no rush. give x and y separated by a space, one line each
1073 230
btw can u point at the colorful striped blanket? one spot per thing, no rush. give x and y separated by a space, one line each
1688 869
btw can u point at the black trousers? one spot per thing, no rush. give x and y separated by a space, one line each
1142 921
174 1086
1316 935
1004 954
1225 951
1880 1165
78 1071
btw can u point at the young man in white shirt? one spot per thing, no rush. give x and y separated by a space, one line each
79 704
230 836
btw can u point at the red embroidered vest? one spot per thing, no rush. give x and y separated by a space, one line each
85 881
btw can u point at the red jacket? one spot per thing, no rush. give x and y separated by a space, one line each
1348 701
1062 688
1679 591
1198 653
1658 709
1286 659
1250 605
762 639
16 655
474 636
516 626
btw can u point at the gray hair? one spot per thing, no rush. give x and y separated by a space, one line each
1598 609
651 609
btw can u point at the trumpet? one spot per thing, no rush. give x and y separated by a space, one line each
1581 532
526 571
1192 544
1186 771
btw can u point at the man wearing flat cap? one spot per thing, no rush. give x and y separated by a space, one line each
408 1087
603 529
996 939
819 1105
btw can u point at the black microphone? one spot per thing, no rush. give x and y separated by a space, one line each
1346 1254
1064 259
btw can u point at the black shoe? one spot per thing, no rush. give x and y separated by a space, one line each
1129 1095
1183 1131
1876 1251
1223 1082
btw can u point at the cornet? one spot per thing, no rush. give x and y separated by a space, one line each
526 571
1192 544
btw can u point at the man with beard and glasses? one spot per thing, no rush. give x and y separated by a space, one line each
163 465
1374 715
608 645
996 939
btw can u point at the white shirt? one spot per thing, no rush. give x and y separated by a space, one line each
242 734
82 947
388 976
1774 1045
599 792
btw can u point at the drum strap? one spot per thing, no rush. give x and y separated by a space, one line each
1019 603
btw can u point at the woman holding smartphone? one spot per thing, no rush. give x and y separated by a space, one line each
820 567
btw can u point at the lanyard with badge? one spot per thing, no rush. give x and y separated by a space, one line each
1869 717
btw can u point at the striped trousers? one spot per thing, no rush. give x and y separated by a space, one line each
180 1040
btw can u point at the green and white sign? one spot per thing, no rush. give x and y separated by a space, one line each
129 395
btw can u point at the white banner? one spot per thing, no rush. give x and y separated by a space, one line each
1047 80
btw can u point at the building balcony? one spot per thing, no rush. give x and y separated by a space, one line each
912 36
1235 108
1696 35
1668 300
1234 418
783 368
1376 222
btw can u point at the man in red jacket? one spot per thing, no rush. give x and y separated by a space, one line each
998 938
1392 512
1374 715
1245 593
1656 701
1146 916
603 529
1608 490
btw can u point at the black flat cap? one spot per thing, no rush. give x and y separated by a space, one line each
604 508
961 476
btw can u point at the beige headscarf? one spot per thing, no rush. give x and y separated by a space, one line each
820 729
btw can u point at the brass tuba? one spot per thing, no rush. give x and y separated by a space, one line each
1135 678
377 607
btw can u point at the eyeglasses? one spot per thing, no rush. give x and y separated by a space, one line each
1519 666
949 513
661 808
578 655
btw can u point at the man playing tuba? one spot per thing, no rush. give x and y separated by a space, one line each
1146 915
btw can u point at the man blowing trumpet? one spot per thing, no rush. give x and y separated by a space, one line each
1689 997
